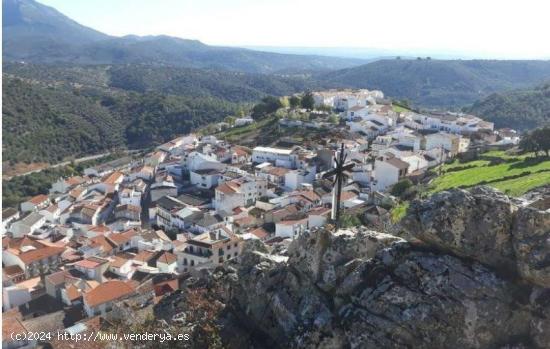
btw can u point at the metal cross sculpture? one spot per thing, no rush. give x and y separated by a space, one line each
337 172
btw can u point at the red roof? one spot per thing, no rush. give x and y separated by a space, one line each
87 263
40 253
107 292
226 188
167 258
261 233
38 199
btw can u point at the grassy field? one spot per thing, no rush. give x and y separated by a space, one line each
399 109
513 174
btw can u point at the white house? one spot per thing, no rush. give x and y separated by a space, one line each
447 141
167 263
318 217
36 203
280 157
129 196
388 172
27 225
239 192
357 111
290 228
295 178
244 121
205 179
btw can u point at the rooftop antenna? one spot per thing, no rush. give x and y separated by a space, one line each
337 172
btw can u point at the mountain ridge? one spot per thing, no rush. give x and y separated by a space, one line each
441 83
37 33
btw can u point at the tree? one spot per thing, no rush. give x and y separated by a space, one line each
294 102
333 119
230 120
541 136
537 140
400 187
268 105
307 101
528 144
348 221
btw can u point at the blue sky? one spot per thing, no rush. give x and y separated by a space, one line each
485 28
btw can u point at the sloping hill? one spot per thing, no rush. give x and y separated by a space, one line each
37 33
46 122
40 123
519 109
441 83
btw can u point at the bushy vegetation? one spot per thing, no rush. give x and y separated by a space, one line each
20 188
520 109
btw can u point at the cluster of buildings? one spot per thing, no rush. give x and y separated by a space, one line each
135 227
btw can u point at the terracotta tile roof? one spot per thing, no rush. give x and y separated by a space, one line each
76 192
99 229
38 199
113 178
88 264
167 258
144 256
261 233
57 278
40 253
308 194
72 292
107 292
75 180
52 208
293 222
122 238
348 195
101 241
277 171
226 188
13 270
117 261
12 323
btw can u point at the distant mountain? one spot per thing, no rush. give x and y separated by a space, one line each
441 83
37 33
519 109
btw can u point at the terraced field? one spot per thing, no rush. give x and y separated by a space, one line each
513 174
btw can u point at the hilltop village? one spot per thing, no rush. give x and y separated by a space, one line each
134 228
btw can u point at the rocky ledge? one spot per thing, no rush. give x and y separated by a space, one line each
476 275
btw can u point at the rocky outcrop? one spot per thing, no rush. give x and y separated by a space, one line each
372 290
485 225
363 289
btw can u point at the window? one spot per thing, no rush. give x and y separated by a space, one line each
221 260
236 244
228 247
192 262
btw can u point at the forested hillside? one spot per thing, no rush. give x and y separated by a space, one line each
48 122
441 83
519 109
40 123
